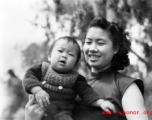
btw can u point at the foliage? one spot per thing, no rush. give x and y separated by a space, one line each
33 54
73 17
16 97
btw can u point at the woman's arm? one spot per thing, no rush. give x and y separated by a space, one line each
133 101
32 110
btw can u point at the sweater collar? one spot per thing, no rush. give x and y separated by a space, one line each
61 72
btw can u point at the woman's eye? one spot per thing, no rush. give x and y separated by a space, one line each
101 43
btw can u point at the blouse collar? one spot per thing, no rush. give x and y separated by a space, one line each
99 74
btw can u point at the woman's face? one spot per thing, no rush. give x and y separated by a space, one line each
98 48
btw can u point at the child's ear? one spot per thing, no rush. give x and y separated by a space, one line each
49 58
76 65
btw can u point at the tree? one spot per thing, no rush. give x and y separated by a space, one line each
72 18
16 95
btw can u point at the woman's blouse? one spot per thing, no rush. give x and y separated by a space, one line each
110 85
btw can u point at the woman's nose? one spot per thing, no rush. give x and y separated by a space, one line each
93 48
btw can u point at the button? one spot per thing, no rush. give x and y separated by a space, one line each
60 87
43 82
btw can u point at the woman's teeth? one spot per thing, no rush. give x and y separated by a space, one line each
94 56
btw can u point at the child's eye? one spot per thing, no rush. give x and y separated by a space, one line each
71 54
88 42
60 50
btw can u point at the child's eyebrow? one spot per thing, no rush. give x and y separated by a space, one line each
73 51
88 39
61 48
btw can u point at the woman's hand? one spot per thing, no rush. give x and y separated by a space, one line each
32 110
42 98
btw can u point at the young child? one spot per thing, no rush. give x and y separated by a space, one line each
58 84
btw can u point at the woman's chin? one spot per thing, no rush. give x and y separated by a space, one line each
95 66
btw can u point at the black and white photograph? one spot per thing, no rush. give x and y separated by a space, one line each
76 60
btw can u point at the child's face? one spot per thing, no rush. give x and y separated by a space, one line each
63 56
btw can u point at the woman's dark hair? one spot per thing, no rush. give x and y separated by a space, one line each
120 40
68 39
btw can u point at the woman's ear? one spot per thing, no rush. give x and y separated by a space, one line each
116 49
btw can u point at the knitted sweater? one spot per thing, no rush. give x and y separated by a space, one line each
72 84
61 83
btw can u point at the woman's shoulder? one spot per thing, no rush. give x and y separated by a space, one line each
124 81
126 78
121 76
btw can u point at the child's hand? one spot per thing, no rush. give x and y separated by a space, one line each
107 106
42 98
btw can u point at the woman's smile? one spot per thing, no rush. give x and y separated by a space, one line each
94 57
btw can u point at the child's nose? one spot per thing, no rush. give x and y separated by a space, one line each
64 55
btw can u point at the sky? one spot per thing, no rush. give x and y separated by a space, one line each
16 33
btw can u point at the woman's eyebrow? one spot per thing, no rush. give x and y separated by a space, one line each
99 39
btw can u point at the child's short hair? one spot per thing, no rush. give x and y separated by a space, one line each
68 39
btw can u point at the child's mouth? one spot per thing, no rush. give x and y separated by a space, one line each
62 61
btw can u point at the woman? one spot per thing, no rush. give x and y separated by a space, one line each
106 50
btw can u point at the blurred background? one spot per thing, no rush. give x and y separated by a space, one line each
28 27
